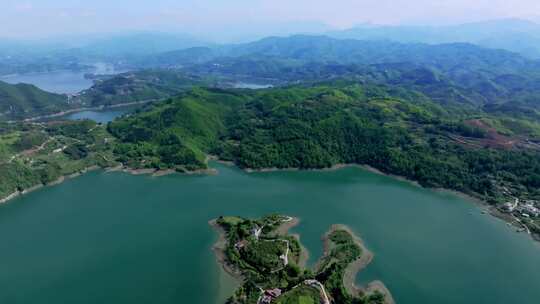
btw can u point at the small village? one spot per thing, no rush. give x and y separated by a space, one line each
525 212
527 209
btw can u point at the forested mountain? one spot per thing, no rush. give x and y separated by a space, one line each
24 100
299 58
457 74
323 49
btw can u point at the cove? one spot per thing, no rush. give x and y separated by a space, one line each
62 81
119 238
101 116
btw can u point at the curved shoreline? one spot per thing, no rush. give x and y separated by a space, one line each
353 269
219 251
284 228
60 180
490 209
121 168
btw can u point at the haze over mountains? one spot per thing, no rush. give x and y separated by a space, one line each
517 35
471 65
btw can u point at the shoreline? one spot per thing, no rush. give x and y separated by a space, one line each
120 168
283 230
353 269
479 203
162 172
219 251
58 181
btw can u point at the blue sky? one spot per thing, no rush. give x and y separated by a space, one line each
39 18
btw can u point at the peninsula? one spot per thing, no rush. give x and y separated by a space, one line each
270 263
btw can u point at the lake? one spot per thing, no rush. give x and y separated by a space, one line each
61 82
101 116
251 86
118 238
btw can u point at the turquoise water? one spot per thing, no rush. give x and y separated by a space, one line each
252 86
118 238
61 82
102 116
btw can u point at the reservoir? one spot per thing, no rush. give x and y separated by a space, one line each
102 116
118 238
63 81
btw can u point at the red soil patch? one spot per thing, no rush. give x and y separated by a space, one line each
493 139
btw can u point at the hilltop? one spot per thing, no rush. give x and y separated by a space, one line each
24 100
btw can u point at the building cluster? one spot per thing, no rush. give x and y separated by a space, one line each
270 295
241 244
525 209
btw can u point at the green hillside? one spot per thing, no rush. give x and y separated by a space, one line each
178 132
24 100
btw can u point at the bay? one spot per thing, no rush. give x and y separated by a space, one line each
119 238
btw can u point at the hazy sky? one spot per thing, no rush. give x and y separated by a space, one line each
26 18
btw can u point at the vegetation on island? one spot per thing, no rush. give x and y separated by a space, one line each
269 263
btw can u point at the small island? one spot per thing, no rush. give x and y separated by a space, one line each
270 263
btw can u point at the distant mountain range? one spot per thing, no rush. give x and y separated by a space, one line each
451 73
137 43
80 53
521 36
515 35
302 49
460 75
